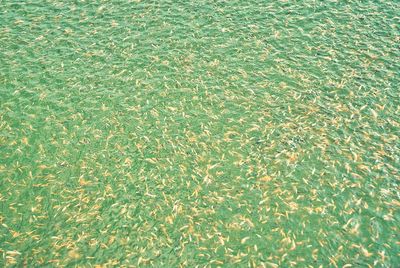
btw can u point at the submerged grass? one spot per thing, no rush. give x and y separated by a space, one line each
199 133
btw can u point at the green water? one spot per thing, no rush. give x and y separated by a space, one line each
200 134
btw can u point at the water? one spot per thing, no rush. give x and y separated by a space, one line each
199 133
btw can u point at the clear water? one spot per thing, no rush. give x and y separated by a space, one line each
199 134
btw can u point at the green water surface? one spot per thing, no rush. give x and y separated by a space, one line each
199 133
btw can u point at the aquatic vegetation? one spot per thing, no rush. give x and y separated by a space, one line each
200 134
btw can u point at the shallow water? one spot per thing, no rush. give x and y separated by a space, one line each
185 133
